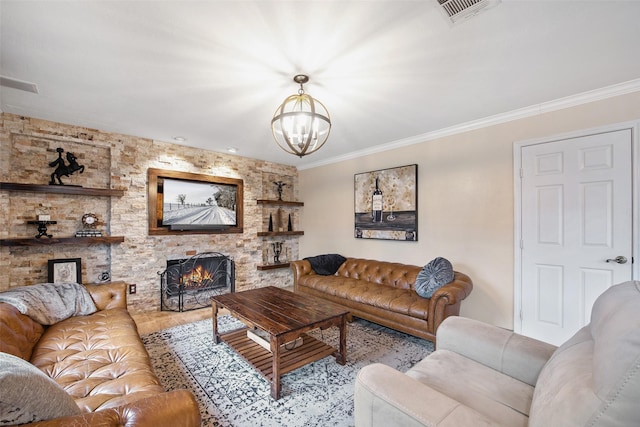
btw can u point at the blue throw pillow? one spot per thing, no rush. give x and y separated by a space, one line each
433 276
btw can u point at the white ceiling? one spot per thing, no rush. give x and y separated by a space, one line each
215 71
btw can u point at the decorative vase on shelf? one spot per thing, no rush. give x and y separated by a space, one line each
290 225
269 253
270 222
279 221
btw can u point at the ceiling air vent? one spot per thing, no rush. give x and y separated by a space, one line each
18 84
459 10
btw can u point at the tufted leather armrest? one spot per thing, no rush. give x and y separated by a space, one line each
19 333
175 408
446 301
109 295
300 268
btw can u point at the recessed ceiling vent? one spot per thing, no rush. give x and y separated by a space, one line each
459 10
18 84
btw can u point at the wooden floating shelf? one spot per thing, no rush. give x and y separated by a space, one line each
279 202
280 233
60 189
273 266
44 241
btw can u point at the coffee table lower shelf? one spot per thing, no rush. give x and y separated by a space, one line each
261 359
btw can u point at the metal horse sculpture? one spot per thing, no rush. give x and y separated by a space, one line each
280 186
62 169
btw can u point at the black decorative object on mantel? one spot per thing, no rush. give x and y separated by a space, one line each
270 222
42 228
289 225
280 185
62 169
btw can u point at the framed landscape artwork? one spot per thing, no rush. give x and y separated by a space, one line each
386 204
67 270
190 203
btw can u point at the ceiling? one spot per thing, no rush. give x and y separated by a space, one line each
214 72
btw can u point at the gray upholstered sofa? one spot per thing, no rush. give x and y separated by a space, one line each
481 375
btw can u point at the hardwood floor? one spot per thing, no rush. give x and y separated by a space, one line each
158 320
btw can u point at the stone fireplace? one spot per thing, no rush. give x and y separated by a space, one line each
189 283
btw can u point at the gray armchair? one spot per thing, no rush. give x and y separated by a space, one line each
482 375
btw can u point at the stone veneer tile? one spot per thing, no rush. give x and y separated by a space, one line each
121 161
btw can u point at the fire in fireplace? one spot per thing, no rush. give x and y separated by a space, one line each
188 284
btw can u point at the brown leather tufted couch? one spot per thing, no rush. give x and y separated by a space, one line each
383 292
101 362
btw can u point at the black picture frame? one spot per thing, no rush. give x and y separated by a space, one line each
64 270
398 218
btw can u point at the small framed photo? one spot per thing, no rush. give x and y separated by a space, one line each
67 270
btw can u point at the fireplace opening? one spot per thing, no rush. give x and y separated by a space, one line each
189 283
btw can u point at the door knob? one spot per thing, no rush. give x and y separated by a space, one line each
619 259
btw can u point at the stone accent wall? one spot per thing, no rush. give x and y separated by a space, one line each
27 145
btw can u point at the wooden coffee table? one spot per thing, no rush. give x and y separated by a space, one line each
285 316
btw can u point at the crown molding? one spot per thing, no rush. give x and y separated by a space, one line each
533 110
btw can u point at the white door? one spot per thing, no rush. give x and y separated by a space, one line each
576 229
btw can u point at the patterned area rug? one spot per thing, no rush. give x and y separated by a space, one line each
231 393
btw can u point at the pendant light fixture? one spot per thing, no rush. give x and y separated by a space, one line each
301 124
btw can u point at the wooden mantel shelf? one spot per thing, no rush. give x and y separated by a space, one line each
280 233
273 266
32 241
60 189
278 202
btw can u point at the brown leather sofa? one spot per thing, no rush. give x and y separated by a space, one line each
101 362
383 292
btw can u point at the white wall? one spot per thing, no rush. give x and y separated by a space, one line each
465 201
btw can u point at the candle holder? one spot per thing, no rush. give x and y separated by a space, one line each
277 250
42 228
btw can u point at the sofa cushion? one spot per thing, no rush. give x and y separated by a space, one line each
495 395
402 276
98 359
594 378
401 301
437 273
326 265
615 328
28 395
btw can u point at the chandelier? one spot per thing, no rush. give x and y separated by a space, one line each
301 124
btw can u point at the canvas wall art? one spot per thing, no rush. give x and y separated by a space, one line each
386 204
